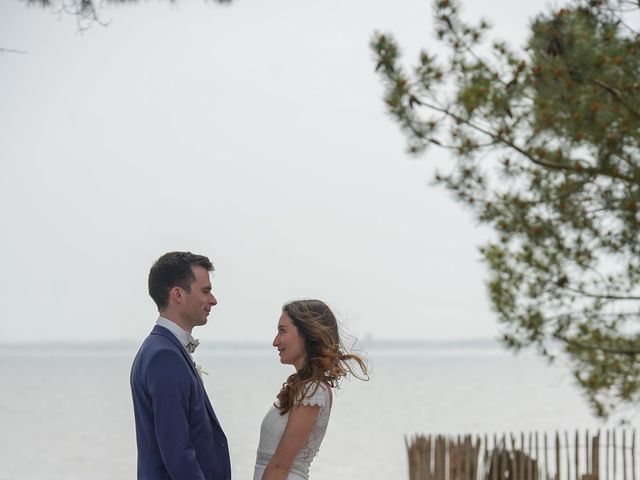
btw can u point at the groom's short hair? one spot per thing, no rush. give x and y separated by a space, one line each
174 269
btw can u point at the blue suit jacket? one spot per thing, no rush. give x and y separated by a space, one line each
178 434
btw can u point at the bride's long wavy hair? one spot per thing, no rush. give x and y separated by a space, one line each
326 358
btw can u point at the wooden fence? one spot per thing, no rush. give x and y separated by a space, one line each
607 455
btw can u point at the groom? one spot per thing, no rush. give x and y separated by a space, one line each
177 431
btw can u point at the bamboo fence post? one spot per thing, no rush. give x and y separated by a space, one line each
449 460
503 454
535 472
633 455
558 475
425 455
595 456
452 459
476 456
494 460
440 457
529 458
445 460
546 457
415 447
624 454
407 446
475 446
461 459
415 451
436 458
577 456
567 448
613 451
513 457
521 462
428 460
433 441
457 465
587 462
607 454
466 450
410 458
423 459
419 462
485 460
467 457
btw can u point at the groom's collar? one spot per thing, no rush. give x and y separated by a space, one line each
184 337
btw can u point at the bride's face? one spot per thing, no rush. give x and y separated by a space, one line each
289 342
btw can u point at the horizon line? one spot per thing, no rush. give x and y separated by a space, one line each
478 342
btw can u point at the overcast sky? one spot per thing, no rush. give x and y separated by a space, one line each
254 134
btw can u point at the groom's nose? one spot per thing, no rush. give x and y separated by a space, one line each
213 300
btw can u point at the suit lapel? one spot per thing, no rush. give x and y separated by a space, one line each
158 330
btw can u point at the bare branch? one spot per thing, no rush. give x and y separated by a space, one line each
602 296
617 95
11 50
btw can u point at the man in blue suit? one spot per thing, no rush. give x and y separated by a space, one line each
177 431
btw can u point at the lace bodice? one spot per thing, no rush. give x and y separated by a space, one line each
273 426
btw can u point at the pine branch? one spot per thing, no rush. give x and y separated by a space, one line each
598 348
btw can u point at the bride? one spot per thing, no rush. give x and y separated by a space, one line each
294 426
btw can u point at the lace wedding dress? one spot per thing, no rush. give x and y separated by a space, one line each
273 427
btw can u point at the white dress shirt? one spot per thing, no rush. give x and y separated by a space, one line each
183 336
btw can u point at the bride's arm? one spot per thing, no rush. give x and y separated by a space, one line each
299 425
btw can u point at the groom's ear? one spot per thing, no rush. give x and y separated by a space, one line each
176 294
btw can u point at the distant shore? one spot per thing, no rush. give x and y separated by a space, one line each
368 344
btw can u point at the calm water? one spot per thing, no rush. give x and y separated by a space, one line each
67 414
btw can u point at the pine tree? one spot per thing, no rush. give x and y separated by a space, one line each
545 145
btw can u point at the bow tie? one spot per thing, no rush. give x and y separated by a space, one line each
191 346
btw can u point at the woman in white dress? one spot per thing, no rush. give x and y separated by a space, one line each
294 426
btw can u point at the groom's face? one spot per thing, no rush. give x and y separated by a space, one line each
198 303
